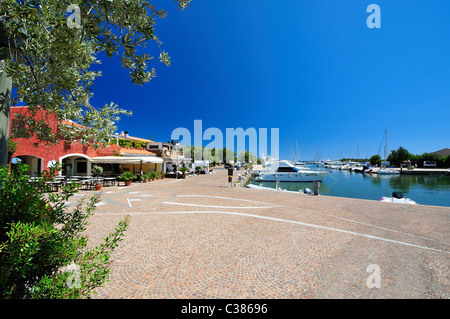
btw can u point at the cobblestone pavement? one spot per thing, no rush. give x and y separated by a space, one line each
200 238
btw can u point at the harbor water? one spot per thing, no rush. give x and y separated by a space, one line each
423 189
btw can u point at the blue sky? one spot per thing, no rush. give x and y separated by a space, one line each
311 68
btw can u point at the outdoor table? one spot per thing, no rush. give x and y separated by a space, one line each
87 183
109 181
85 177
70 180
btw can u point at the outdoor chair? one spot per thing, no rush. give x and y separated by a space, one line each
87 184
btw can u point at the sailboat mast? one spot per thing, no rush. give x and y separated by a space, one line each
385 148
292 153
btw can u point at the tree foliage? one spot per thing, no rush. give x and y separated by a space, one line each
398 156
219 155
43 253
51 64
246 157
375 160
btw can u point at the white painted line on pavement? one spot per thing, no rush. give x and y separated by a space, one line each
211 206
291 222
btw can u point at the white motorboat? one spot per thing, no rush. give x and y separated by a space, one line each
284 171
388 171
303 191
398 198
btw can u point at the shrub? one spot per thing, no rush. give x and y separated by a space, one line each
127 176
43 252
97 170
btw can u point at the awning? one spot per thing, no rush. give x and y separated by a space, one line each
126 159
177 160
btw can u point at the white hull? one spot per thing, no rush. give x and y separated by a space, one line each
302 176
398 200
388 171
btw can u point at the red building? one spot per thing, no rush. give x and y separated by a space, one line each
77 159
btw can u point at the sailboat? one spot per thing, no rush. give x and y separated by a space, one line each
384 169
298 163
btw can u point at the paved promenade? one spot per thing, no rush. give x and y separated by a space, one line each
200 238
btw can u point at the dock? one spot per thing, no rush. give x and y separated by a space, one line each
425 171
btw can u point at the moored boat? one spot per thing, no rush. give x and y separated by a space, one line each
398 198
388 171
284 171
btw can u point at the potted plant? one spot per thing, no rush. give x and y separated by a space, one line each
183 170
162 174
96 172
198 169
145 177
98 185
127 177
156 174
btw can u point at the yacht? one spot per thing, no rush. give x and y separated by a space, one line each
284 171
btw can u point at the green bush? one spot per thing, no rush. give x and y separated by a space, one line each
43 253
127 176
97 170
183 169
130 143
